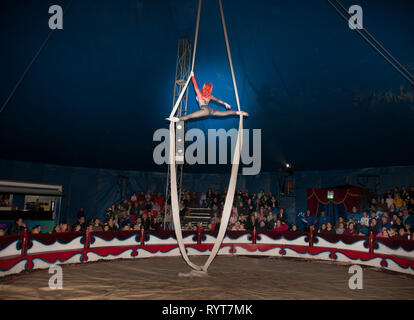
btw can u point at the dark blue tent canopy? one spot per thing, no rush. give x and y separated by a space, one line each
101 86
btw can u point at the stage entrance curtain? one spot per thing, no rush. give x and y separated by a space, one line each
348 196
332 211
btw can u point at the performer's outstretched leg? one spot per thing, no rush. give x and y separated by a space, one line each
205 111
198 114
218 113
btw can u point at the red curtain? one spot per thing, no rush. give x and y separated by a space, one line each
350 197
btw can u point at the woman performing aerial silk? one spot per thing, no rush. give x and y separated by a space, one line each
203 97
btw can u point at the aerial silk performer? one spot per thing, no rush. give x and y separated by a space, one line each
203 98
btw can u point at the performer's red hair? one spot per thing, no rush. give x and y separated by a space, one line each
207 90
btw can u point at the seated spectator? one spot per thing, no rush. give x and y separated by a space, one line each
340 220
242 209
215 218
56 229
203 200
410 205
106 226
329 228
159 199
97 226
280 226
402 234
138 224
2 233
124 220
129 207
309 220
135 210
282 215
215 226
243 220
17 227
383 233
392 211
35 230
148 202
134 197
110 211
397 223
382 206
354 214
146 222
251 223
384 223
158 221
393 232
270 219
404 193
350 231
81 222
364 222
373 227
409 231
262 226
237 227
126 227
293 228
322 228
63 227
351 220
411 192
214 210
398 202
233 218
389 200
273 202
340 229
112 224
322 219
409 219
374 204
262 214
124 205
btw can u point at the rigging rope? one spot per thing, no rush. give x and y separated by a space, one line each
373 46
200 2
229 54
30 64
377 42
235 164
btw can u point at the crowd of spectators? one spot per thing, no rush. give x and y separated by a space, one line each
392 215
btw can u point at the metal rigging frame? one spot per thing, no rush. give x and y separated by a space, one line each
182 72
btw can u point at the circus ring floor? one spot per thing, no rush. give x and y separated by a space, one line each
230 277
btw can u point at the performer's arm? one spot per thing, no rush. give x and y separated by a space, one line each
221 101
195 83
